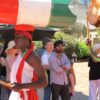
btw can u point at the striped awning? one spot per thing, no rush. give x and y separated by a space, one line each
38 13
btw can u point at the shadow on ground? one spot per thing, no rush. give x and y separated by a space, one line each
80 96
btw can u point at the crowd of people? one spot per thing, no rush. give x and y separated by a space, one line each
26 71
48 68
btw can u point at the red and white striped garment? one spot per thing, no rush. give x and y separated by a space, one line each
27 77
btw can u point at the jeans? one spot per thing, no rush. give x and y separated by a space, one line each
4 95
47 93
8 92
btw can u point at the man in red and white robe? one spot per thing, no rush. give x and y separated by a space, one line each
27 74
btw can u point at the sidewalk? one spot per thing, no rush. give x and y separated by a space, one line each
82 86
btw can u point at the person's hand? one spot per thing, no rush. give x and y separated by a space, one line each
98 55
64 68
46 67
59 70
2 61
88 42
16 87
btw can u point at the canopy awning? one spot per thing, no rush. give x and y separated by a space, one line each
38 13
61 16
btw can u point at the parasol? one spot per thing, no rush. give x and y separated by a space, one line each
36 13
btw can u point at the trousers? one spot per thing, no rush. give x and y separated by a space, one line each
60 90
94 89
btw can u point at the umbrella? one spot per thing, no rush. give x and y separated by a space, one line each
38 13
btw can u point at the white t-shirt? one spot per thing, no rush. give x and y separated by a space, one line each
45 61
45 57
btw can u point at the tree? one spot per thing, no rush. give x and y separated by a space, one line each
78 30
70 42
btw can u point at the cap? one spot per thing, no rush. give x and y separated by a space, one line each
11 44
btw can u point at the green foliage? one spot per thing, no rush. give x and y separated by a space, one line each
69 50
72 44
81 49
68 39
59 35
37 44
78 30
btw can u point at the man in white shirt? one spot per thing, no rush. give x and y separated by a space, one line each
45 56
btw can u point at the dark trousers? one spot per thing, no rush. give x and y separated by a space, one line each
62 90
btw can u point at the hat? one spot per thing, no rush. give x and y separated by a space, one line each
96 46
25 33
11 44
24 27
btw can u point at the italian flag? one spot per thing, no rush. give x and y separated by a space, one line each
38 13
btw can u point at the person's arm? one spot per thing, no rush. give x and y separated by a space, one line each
73 73
2 61
54 66
67 64
9 64
35 62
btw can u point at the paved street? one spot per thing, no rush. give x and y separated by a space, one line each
81 88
